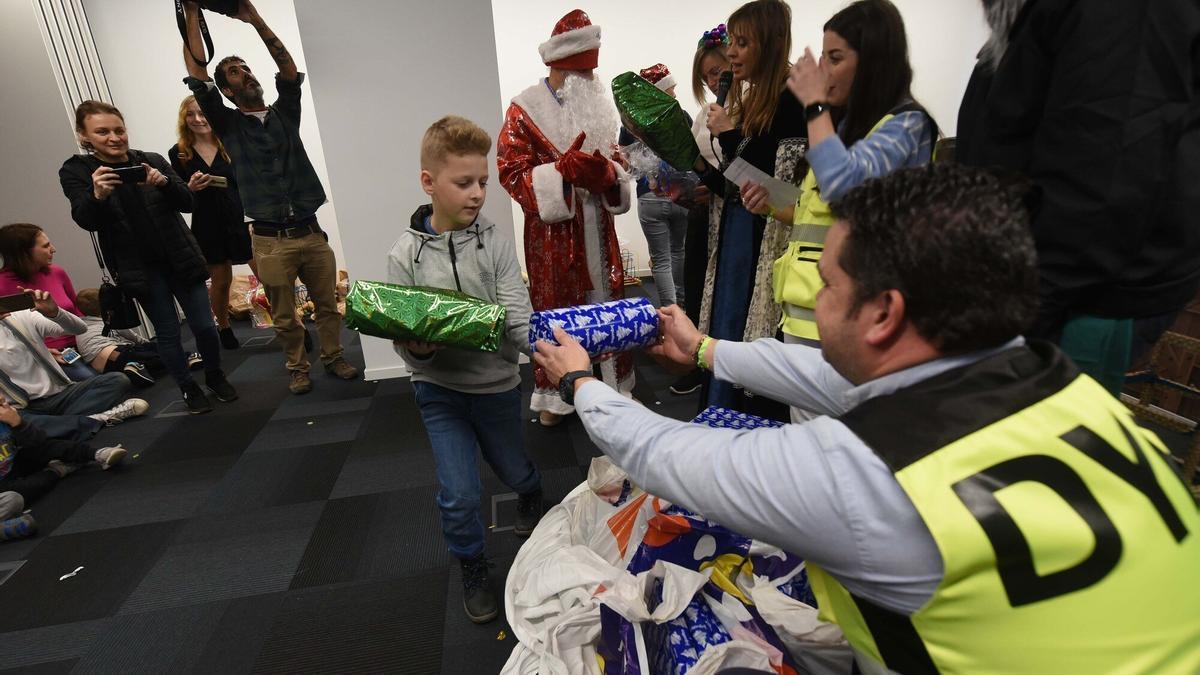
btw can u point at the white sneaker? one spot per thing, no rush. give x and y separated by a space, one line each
111 456
11 505
131 407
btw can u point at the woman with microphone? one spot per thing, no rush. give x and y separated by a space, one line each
764 125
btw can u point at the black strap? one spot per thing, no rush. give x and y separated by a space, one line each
181 19
100 258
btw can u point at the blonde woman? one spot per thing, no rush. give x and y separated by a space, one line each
217 218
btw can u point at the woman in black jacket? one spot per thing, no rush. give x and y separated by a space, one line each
132 200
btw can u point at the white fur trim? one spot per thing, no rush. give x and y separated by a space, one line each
626 192
547 115
549 189
570 43
665 83
548 400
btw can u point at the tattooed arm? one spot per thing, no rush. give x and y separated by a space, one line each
287 67
194 41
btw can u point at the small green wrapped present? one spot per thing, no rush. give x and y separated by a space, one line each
656 119
434 315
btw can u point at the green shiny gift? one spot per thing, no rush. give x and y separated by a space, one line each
435 315
656 119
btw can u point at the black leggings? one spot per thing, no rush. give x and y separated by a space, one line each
145 354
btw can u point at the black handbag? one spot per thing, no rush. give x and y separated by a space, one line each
226 7
118 309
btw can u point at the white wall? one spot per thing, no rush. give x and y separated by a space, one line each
37 137
382 72
943 37
141 50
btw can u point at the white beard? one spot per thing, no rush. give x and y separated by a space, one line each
587 106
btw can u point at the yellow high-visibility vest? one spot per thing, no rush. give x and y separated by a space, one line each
1069 542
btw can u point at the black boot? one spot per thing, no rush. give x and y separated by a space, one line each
529 512
195 400
219 386
478 599
228 339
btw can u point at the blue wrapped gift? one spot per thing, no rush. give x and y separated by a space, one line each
603 328
724 418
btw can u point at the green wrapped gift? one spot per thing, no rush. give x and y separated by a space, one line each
434 315
656 119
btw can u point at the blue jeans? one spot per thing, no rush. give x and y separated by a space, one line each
160 307
93 395
458 423
665 225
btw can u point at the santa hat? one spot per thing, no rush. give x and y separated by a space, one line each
659 76
574 44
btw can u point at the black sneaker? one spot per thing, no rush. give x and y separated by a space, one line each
228 339
195 400
688 383
137 374
195 361
529 512
478 599
220 387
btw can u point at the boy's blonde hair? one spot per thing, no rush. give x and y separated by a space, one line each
452 135
88 301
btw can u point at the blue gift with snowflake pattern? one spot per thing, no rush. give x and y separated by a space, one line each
724 418
602 328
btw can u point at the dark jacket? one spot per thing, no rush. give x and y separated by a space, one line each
1097 103
123 249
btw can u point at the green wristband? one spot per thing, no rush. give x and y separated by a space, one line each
704 344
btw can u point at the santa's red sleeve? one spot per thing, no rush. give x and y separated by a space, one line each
536 185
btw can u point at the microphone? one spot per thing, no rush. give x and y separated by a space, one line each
723 87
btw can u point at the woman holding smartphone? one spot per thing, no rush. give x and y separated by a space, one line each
218 221
132 200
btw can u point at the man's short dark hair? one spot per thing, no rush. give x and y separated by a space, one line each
955 242
219 71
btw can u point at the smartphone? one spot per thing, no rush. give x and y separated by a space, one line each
218 182
131 174
16 302
70 355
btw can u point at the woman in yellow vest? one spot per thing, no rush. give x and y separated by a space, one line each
863 80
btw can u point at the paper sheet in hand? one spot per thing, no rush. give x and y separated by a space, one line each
783 194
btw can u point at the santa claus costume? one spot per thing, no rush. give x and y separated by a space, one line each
571 250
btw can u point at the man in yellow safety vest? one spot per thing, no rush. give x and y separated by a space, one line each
967 501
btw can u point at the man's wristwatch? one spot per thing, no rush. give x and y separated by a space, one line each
814 110
566 385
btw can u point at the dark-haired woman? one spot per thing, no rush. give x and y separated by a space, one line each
28 263
145 242
765 127
865 78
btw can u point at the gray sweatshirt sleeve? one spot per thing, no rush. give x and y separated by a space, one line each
512 293
64 323
813 489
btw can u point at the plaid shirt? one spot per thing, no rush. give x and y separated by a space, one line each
276 180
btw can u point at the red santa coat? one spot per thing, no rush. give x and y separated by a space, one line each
571 250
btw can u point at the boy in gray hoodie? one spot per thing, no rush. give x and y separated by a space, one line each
468 399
